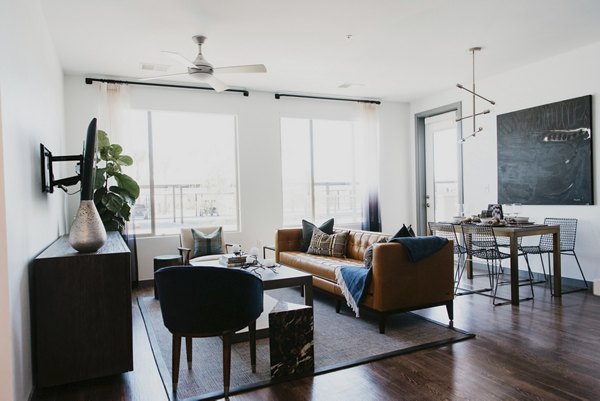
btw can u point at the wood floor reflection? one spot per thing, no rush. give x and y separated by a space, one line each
548 348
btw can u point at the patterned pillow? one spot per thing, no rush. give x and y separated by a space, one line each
328 245
369 253
207 244
308 229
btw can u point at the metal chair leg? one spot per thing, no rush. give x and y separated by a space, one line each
580 270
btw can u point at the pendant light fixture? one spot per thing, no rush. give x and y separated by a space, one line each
474 94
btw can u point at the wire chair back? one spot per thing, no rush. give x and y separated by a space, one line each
480 242
568 231
446 230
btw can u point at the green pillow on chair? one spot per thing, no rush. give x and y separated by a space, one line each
207 244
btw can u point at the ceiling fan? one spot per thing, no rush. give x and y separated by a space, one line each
202 70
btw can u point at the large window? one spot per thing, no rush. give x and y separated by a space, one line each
319 169
186 165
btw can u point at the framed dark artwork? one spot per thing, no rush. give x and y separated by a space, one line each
545 154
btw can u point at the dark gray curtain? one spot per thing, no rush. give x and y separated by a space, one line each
372 218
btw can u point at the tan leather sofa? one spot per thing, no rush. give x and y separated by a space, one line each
398 285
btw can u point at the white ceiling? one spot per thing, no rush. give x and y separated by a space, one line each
400 49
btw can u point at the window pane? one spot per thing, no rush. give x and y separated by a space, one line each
295 166
330 162
194 170
335 172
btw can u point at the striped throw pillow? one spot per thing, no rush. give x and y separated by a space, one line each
328 245
204 244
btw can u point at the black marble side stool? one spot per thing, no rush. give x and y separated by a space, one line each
291 340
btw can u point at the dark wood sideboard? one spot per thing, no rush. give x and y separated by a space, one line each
81 312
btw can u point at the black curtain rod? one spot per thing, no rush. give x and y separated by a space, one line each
89 81
279 95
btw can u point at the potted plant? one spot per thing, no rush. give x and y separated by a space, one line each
114 192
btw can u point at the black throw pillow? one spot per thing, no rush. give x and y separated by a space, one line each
404 232
308 228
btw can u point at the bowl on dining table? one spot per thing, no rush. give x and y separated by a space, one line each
521 219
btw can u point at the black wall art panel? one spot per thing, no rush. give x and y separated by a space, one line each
545 154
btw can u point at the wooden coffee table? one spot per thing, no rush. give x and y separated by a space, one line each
280 277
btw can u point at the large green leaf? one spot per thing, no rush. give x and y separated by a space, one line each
125 212
125 160
128 184
123 193
102 140
98 195
113 202
115 150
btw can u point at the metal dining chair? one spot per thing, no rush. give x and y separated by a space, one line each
446 230
208 302
480 242
568 234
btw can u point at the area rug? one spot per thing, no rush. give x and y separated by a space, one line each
340 341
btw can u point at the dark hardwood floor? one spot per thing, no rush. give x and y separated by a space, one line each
546 349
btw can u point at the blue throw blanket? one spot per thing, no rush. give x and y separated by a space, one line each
353 280
420 247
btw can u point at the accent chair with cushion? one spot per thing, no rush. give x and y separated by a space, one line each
208 302
202 243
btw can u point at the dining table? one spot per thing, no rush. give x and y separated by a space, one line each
513 232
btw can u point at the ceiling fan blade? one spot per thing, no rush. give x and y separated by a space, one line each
162 76
180 59
216 84
241 69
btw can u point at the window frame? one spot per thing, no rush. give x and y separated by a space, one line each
151 178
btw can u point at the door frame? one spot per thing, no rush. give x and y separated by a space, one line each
420 168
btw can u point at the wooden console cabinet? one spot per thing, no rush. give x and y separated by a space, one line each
81 312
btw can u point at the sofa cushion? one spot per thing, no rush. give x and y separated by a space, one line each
317 265
307 232
359 241
328 245
206 244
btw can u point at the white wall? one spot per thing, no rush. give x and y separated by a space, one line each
558 78
31 90
259 149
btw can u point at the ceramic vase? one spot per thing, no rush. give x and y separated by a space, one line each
87 231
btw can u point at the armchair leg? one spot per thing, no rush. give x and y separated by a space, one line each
252 335
175 360
188 351
450 310
338 305
226 361
382 321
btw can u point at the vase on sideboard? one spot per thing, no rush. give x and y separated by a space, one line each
87 232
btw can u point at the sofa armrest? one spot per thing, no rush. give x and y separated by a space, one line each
287 239
400 283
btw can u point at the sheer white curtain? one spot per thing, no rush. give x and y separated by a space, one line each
113 111
113 118
368 156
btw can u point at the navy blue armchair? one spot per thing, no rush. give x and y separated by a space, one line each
207 302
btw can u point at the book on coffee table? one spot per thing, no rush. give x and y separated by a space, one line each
231 260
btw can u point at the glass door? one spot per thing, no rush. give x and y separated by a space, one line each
443 168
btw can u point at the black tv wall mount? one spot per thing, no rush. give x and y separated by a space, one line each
47 161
